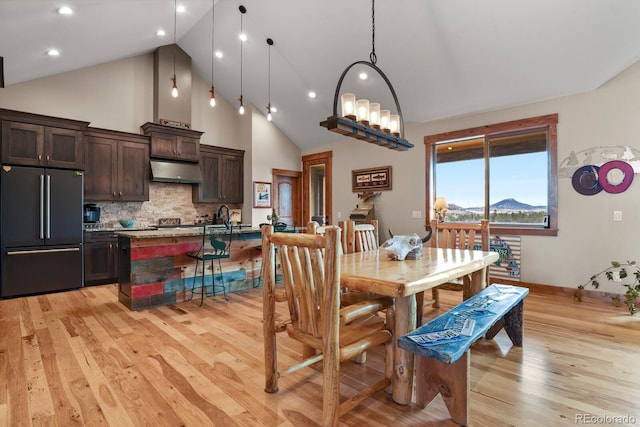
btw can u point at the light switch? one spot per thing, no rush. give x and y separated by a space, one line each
617 215
416 214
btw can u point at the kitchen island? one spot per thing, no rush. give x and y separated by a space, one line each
154 268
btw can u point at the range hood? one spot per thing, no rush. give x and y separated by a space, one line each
176 172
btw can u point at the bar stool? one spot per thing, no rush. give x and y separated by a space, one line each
212 249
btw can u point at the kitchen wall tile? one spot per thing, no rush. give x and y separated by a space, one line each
165 201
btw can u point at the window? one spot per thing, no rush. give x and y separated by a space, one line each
505 172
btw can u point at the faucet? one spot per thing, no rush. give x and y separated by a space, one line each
226 218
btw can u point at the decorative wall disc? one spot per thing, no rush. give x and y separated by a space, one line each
615 187
585 180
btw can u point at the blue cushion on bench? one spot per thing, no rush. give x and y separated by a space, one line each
502 298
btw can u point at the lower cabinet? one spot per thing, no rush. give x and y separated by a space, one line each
100 257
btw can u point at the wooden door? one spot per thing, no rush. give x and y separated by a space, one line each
287 196
317 200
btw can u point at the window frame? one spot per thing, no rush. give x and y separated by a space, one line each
550 122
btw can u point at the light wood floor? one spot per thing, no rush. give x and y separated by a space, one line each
79 358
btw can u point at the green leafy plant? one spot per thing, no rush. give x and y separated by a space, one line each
618 271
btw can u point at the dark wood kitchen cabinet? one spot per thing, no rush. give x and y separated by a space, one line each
223 176
117 166
100 257
35 140
172 143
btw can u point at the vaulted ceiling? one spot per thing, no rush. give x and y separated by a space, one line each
443 57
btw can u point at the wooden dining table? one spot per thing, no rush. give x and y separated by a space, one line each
405 281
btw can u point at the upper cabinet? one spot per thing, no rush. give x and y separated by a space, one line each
117 166
168 142
222 173
35 140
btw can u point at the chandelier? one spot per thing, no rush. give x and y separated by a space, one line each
358 119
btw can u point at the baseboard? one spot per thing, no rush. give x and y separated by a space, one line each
560 291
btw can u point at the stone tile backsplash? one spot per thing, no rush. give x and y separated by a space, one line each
165 201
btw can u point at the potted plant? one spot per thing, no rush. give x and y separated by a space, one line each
618 272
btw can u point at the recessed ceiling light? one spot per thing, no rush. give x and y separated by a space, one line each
180 8
219 54
243 37
53 52
312 94
363 76
160 33
65 10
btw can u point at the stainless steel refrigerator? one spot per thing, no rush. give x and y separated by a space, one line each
41 222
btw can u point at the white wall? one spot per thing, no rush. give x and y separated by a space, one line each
587 240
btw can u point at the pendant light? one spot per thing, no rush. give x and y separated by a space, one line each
357 121
270 43
174 89
243 38
212 100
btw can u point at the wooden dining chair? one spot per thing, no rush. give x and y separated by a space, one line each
328 332
456 235
314 228
367 235
360 237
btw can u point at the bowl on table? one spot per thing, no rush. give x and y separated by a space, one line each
126 223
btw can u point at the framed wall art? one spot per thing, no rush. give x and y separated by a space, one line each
371 179
261 194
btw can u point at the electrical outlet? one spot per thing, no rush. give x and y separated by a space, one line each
339 214
416 214
617 215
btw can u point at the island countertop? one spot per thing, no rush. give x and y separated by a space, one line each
191 231
183 232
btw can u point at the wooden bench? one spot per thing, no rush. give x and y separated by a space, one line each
444 366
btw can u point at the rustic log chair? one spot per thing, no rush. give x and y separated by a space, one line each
451 235
368 235
314 228
311 268
213 248
360 237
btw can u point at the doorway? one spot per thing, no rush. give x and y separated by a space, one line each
317 187
287 198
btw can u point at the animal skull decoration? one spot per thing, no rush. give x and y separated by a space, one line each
400 246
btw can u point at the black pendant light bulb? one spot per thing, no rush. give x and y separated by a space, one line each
269 117
212 99
243 10
174 89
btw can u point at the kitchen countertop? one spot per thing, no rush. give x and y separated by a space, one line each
190 231
113 229
183 231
